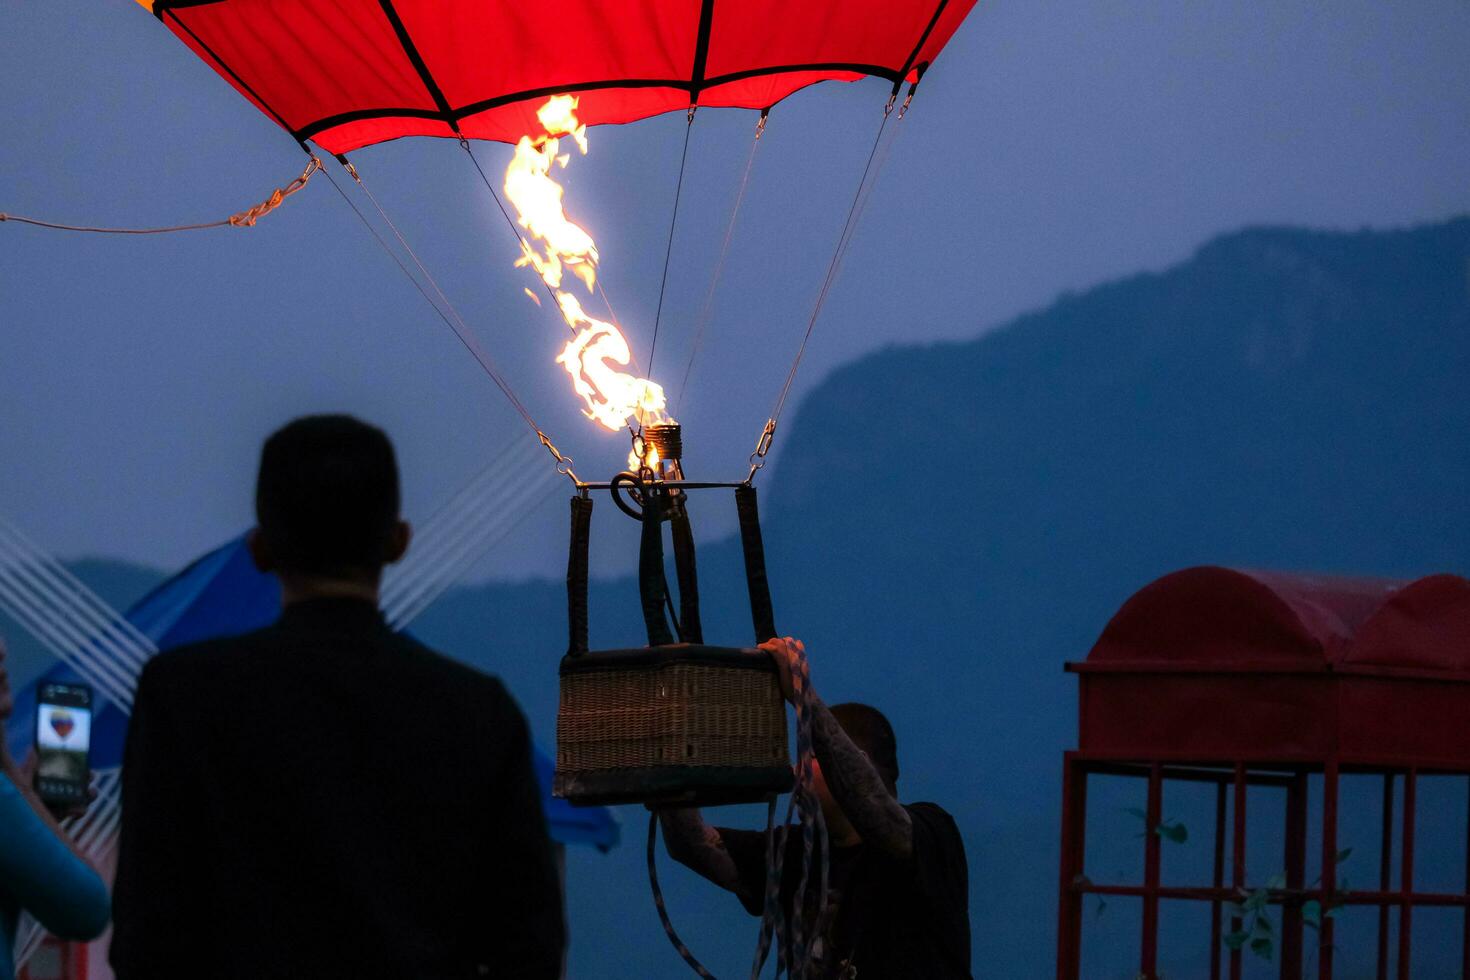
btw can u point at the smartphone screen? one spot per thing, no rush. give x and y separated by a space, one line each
63 740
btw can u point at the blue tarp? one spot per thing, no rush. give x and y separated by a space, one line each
222 594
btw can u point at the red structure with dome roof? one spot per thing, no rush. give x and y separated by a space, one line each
1245 679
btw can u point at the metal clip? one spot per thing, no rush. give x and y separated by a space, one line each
909 98
563 463
891 100
691 113
347 166
762 446
760 127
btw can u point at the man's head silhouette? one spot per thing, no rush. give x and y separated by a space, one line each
326 503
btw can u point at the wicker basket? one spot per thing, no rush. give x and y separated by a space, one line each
681 723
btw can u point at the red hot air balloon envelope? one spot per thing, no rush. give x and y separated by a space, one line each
348 73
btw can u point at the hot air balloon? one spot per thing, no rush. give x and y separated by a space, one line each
677 720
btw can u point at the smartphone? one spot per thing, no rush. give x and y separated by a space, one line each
63 742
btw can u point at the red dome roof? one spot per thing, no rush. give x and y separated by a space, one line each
1216 664
1423 626
1213 615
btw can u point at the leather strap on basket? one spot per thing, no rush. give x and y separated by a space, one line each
577 576
652 588
690 630
762 616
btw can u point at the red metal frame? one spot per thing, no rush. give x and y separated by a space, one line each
1077 767
1251 680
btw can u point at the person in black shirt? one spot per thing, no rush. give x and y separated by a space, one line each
327 798
898 899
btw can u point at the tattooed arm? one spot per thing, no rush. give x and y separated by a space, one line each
697 846
856 785
857 788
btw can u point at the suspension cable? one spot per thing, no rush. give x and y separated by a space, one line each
521 242
456 323
242 219
709 299
514 228
849 228
669 248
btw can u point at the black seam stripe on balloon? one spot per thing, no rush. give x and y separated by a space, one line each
311 129
412 52
701 48
231 72
923 38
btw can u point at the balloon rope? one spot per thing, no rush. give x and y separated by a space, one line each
51 616
714 283
514 228
457 324
521 242
496 518
459 521
122 633
66 643
45 611
661 906
669 248
843 240
243 219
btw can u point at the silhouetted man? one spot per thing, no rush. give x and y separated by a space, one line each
898 900
325 798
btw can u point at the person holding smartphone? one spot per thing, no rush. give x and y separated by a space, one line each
41 870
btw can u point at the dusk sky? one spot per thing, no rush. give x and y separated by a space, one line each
1053 146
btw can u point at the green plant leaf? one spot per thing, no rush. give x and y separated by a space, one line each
1235 940
1262 926
1344 854
1312 912
1263 947
1136 812
1176 832
1256 901
1276 881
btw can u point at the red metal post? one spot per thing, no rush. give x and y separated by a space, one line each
1465 937
1385 873
1296 873
1406 872
1218 880
1149 959
1237 873
1074 828
1329 864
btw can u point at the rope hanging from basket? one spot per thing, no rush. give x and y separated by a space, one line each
241 219
793 943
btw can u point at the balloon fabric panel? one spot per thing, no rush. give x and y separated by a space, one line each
349 73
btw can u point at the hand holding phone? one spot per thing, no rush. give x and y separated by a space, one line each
63 743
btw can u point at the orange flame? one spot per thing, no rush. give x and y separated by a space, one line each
612 396
598 349
537 199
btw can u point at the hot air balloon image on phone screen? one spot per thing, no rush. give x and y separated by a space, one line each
63 739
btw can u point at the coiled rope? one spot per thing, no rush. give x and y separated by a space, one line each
792 951
241 219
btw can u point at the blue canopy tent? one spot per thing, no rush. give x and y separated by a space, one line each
222 594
